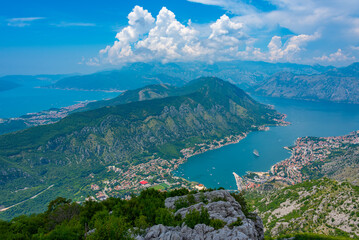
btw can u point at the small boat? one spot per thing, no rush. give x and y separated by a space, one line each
256 153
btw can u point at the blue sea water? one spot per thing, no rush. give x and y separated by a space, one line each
29 99
215 168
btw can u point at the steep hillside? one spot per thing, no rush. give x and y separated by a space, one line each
132 139
319 206
341 165
337 85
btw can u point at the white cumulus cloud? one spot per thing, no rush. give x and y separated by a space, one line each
165 39
288 51
338 56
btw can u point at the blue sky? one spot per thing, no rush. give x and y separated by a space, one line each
82 36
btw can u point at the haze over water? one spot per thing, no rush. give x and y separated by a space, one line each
215 168
28 99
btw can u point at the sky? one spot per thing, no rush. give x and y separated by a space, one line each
50 37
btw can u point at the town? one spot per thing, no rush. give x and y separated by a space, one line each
306 152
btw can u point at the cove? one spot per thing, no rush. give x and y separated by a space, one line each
214 168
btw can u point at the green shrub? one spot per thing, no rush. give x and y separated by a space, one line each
217 223
165 217
239 197
181 203
190 199
111 227
203 198
195 217
238 222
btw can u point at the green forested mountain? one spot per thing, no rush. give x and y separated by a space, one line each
148 92
67 156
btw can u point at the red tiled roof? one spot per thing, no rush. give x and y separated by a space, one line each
143 182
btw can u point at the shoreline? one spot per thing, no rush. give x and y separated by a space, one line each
85 90
233 139
306 151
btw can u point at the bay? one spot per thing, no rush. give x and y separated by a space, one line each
215 168
29 99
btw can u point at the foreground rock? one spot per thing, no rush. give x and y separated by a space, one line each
220 205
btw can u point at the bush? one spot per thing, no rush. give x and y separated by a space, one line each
165 217
191 200
239 197
238 222
181 203
195 217
111 227
203 198
217 223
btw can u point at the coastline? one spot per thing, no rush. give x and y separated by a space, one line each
306 152
86 90
232 139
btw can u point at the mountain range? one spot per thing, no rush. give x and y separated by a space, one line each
242 73
335 85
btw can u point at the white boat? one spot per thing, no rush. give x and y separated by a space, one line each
256 153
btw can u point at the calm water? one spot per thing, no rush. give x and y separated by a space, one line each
214 168
27 99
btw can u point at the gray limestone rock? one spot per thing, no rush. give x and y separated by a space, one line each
220 205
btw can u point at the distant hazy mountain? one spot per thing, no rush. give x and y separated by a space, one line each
115 80
33 80
138 75
68 152
337 85
6 85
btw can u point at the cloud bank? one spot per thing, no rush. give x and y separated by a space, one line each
251 34
164 38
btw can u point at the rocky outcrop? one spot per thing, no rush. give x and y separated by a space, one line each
220 205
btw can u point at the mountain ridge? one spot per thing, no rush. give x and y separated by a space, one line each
336 85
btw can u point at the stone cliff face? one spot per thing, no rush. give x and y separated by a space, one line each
220 205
